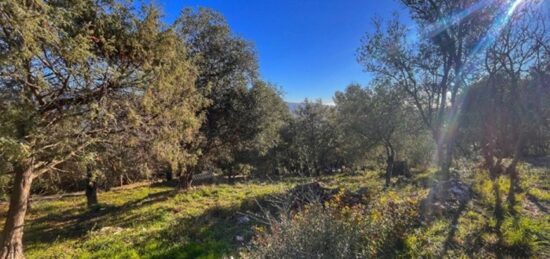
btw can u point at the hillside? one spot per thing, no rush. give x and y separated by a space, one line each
213 221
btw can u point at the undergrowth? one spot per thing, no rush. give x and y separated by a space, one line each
205 222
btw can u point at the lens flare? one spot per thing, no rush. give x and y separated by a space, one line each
494 31
502 19
443 24
514 6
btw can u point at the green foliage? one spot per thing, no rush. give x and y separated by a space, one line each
5 183
428 241
243 169
526 235
147 222
311 143
155 222
99 87
245 114
316 232
418 150
333 230
484 186
381 117
503 116
268 115
79 76
92 72
391 215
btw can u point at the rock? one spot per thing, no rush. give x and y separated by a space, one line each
243 220
446 197
315 192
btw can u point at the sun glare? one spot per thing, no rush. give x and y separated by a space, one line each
514 6
500 21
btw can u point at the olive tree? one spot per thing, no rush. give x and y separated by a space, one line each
508 105
376 117
311 142
436 67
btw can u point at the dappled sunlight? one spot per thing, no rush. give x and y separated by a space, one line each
204 129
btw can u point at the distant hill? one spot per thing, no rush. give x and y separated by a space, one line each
293 107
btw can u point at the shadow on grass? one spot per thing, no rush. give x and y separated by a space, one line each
480 241
540 205
218 232
215 232
455 216
72 223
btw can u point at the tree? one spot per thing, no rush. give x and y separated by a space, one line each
508 105
519 54
374 117
311 143
79 73
227 66
434 70
265 115
268 114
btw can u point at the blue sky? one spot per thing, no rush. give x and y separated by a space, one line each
306 47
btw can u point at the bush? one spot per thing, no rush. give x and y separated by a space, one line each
333 230
315 232
391 216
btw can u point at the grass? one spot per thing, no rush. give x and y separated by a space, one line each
149 222
158 222
524 230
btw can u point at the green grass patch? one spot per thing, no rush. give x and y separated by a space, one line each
159 222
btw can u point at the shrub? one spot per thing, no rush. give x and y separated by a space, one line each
315 232
391 216
333 230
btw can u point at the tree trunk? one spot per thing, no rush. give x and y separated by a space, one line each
186 180
169 175
12 236
512 171
514 186
231 176
185 177
441 130
389 164
442 156
91 188
499 213
445 157
91 194
449 153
